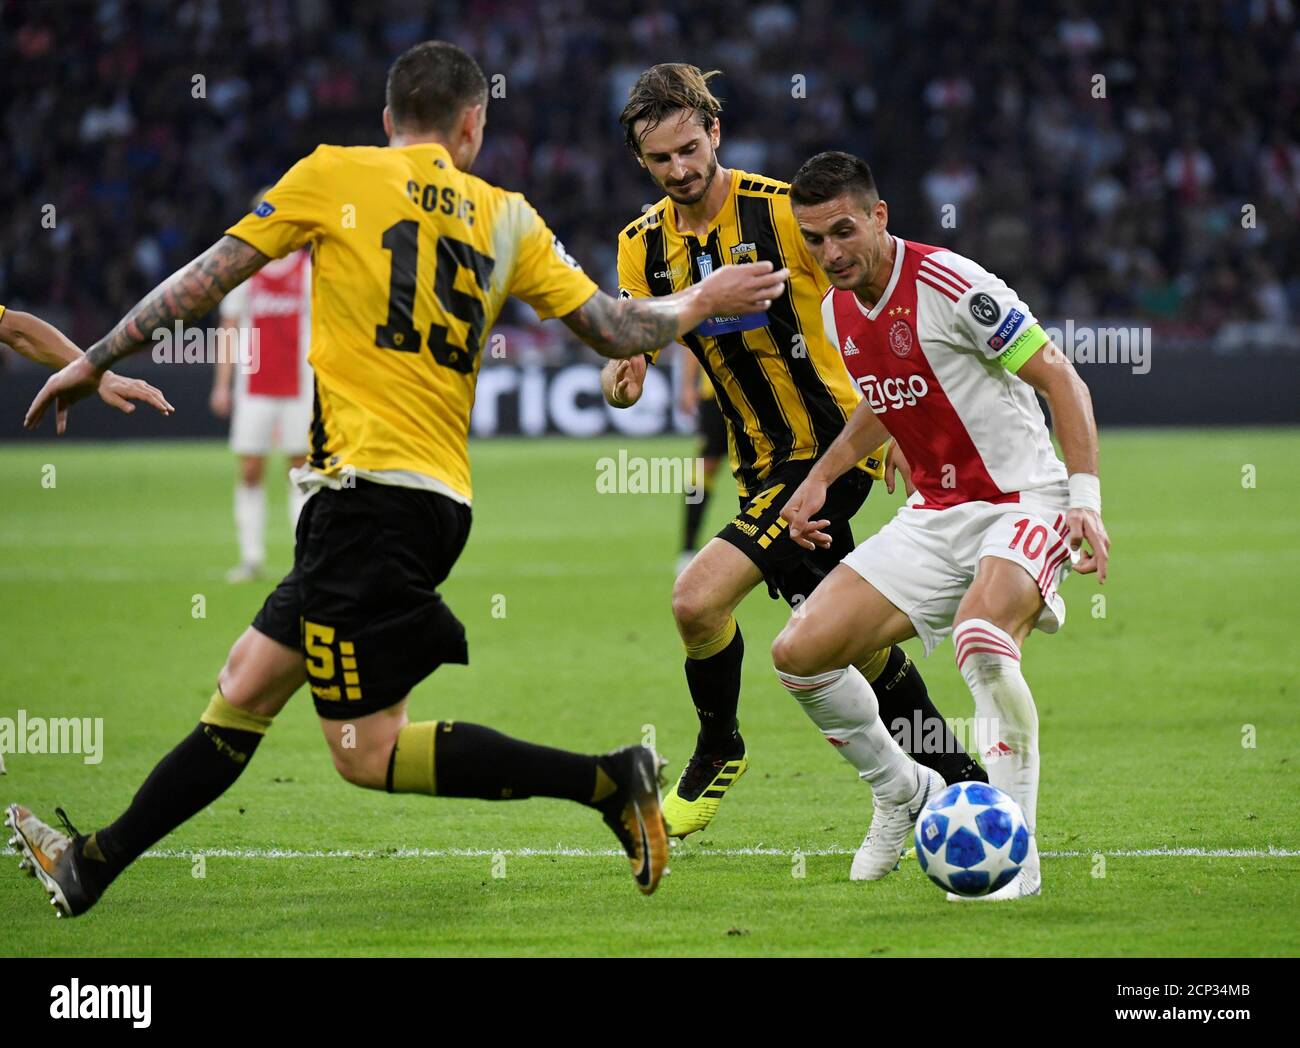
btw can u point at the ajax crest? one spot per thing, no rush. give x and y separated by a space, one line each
900 337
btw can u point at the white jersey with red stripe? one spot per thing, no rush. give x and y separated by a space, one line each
936 359
275 303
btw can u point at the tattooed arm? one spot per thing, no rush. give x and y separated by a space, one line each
623 327
186 295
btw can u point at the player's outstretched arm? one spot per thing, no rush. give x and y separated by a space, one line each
37 340
861 435
1050 372
623 327
42 342
186 295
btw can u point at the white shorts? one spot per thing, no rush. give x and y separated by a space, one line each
260 425
924 560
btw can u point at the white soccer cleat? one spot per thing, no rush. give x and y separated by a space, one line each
890 826
1029 881
244 573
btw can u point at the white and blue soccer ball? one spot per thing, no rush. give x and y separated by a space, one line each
971 839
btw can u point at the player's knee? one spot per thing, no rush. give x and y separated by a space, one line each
794 655
250 471
260 675
695 613
230 678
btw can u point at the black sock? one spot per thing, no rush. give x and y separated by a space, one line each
902 696
200 769
474 761
694 515
715 689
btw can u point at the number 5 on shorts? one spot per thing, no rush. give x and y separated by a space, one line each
318 646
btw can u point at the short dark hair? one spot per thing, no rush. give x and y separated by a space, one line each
666 88
430 85
827 175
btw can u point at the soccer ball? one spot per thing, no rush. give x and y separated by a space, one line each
971 839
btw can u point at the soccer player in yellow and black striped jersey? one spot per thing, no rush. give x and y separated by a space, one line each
413 259
785 395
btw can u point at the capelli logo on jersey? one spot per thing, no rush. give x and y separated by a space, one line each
893 393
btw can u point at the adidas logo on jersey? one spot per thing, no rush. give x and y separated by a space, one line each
849 348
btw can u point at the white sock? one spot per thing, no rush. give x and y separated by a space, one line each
296 500
842 704
1006 717
250 523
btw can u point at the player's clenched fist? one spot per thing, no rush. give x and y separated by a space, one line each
746 288
807 499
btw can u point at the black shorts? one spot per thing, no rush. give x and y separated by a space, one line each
760 532
712 428
362 602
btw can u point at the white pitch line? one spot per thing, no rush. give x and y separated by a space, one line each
695 852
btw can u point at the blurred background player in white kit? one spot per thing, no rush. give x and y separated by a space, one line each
269 399
695 397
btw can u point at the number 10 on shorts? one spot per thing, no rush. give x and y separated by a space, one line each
1035 541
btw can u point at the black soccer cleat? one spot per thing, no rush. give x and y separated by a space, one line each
694 799
633 812
53 858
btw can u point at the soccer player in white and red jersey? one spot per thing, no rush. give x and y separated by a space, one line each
948 359
269 401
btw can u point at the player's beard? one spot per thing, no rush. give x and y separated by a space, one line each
705 182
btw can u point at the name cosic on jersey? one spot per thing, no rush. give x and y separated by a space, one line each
441 198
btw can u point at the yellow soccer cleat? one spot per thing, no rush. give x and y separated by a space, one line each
691 804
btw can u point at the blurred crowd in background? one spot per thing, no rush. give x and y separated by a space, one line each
1124 159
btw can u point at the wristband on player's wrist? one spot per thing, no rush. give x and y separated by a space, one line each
1085 491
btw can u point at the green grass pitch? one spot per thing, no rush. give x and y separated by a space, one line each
1169 721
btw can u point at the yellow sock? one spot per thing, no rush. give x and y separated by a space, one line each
714 644
221 714
874 664
412 767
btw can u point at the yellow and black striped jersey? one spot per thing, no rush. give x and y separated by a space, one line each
412 261
705 386
781 385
